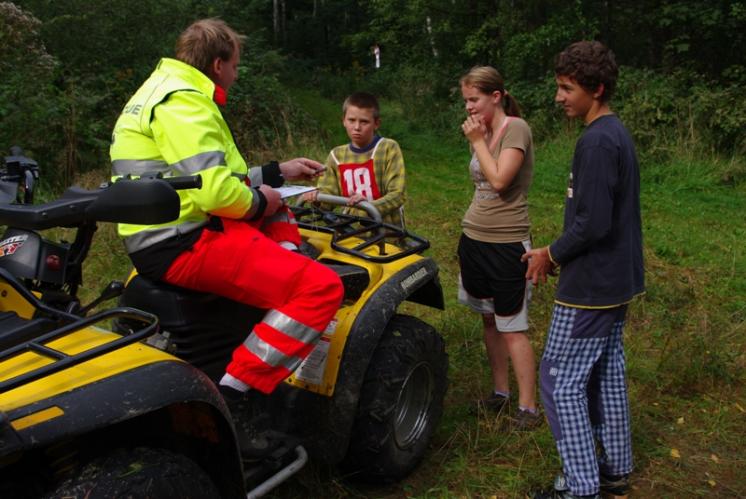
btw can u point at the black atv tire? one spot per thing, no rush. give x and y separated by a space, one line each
139 473
401 402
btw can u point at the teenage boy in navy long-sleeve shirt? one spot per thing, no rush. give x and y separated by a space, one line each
599 253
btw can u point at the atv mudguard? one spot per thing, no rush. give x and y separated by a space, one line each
121 397
329 438
133 407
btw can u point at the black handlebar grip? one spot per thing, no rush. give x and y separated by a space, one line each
185 182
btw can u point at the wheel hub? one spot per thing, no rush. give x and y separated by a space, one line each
412 405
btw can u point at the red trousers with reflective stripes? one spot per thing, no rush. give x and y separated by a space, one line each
243 264
281 226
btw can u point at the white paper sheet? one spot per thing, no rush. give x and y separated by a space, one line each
287 191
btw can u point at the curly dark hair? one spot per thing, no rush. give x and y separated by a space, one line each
590 63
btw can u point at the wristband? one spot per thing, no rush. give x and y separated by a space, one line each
271 174
262 204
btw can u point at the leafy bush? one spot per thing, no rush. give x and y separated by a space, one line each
680 114
60 97
536 98
264 120
650 105
29 104
720 116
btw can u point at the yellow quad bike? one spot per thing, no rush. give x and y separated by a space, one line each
124 402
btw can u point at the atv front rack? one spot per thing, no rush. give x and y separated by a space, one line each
19 335
370 231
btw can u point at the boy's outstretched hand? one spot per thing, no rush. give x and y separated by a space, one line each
539 264
355 199
301 169
309 197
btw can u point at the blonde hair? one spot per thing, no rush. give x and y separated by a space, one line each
487 79
204 41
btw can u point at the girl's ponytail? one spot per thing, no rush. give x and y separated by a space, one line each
510 105
487 79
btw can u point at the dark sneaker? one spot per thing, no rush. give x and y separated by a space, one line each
614 487
526 420
558 494
494 403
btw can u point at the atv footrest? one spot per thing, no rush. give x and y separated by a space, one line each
268 474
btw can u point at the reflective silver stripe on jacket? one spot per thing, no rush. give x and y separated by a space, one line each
253 208
199 162
255 176
137 166
188 166
146 238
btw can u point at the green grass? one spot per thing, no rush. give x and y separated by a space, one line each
684 338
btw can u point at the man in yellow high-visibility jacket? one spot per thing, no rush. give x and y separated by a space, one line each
172 125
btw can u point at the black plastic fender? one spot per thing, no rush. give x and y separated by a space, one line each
139 393
419 280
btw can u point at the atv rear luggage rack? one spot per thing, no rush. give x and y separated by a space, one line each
343 227
19 335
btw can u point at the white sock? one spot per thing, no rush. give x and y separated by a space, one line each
234 383
288 245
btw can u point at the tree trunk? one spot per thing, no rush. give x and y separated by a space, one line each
275 20
429 28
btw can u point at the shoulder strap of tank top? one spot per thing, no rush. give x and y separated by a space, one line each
499 134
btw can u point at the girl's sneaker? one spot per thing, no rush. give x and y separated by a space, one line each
494 404
526 420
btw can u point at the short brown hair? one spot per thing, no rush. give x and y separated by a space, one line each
363 100
204 41
591 64
487 79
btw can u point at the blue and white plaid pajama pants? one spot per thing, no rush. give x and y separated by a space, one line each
584 392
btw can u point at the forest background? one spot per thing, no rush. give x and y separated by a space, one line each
67 68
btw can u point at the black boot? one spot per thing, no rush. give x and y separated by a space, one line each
252 426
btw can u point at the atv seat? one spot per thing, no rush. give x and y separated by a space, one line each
190 317
201 328
176 305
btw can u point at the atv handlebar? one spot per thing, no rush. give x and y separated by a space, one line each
143 201
366 206
18 170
